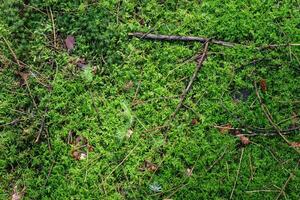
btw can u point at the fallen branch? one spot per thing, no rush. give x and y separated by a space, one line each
41 127
21 66
161 37
257 132
270 118
237 174
180 38
189 86
53 28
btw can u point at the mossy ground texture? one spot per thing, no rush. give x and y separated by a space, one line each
130 87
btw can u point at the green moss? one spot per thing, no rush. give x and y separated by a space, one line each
136 87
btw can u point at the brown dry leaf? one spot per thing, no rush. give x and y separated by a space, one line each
245 140
90 148
95 69
225 128
70 42
129 133
295 144
24 77
81 63
194 122
17 195
263 85
70 138
142 22
189 172
128 85
150 166
76 155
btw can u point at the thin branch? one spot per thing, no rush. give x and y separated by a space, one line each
257 132
10 123
218 159
41 127
286 183
114 169
237 173
161 37
150 36
53 28
270 118
13 53
256 191
189 86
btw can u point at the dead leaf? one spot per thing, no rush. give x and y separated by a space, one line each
225 128
76 155
245 140
95 69
189 172
142 22
81 63
129 133
90 148
263 85
16 194
128 85
194 122
23 78
295 144
150 166
70 42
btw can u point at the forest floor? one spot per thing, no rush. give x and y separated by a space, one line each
89 112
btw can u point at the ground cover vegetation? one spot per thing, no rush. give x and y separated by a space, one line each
85 108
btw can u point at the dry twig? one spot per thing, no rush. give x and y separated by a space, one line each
179 38
270 118
237 173
53 28
161 37
189 86
287 181
258 132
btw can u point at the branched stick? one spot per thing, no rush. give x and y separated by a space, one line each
270 118
179 38
189 86
150 36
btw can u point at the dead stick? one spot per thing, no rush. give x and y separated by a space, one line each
150 36
286 183
217 160
179 38
53 28
189 86
270 118
254 132
41 127
237 173
13 53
